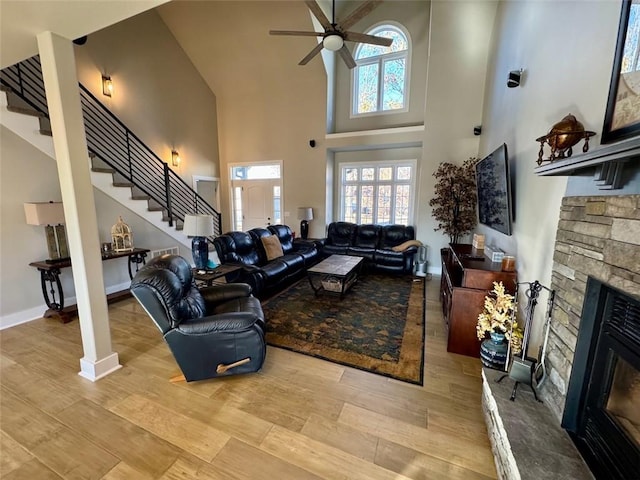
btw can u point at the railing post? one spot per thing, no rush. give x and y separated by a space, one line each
130 163
167 189
219 232
20 80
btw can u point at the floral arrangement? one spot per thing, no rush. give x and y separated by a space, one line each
455 199
498 317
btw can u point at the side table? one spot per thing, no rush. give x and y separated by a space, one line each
209 277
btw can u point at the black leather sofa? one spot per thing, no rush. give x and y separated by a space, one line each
266 276
374 243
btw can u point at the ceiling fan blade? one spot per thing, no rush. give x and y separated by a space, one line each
358 13
293 32
311 54
364 38
319 14
347 57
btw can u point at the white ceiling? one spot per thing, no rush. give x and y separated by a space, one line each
22 20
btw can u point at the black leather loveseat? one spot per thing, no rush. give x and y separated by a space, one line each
265 273
386 248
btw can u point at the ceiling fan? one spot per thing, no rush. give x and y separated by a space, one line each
335 33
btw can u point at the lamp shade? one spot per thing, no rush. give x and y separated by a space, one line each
305 213
44 213
198 225
333 42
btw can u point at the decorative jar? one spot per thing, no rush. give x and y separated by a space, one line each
493 351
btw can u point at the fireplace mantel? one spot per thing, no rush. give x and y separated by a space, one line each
609 162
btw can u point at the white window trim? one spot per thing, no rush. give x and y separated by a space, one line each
413 163
233 182
407 55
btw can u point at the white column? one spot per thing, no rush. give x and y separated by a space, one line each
65 112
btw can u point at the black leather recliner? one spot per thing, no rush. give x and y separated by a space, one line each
209 329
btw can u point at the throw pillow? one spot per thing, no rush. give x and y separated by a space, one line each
409 243
272 247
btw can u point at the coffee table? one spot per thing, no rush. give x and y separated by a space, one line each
335 274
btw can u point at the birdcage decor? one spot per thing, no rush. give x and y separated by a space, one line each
121 237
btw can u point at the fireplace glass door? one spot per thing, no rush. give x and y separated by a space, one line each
624 399
602 412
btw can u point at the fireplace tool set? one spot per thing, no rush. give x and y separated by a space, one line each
527 370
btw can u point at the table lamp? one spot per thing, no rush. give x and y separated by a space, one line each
305 214
199 227
50 214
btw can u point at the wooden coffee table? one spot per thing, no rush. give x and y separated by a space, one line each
336 274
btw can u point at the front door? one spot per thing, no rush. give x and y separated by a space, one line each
256 195
257 201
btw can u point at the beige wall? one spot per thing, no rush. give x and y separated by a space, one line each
459 48
28 175
158 93
414 16
567 72
268 106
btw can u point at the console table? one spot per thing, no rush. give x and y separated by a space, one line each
52 287
467 277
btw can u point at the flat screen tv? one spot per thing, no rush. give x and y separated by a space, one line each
494 191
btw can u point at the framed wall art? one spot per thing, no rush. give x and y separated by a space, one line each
622 117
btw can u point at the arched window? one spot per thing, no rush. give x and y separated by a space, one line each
381 76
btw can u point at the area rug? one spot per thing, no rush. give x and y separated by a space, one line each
378 326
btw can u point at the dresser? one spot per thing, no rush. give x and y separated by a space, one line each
467 277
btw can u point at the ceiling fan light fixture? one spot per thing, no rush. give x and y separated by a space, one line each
333 42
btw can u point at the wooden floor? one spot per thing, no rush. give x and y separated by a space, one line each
299 418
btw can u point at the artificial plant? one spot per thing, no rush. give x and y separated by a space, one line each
454 203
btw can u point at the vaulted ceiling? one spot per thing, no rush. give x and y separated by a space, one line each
22 20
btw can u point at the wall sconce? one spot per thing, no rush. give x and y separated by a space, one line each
107 86
175 158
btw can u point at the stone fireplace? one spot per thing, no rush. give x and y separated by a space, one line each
597 243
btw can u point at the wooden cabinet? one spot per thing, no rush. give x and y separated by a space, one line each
467 277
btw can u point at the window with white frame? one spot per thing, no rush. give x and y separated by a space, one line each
381 76
381 192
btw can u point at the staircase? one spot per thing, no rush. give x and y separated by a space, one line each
122 166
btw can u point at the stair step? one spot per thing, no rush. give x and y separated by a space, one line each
155 208
123 184
103 170
45 126
25 111
179 227
140 197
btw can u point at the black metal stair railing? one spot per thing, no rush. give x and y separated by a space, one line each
112 142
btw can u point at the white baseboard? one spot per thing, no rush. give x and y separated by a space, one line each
34 313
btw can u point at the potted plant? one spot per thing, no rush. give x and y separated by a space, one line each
454 203
499 323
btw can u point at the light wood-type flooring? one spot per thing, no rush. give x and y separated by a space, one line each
298 418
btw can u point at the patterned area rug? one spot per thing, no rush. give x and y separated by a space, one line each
378 326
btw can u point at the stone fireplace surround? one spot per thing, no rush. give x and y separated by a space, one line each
597 236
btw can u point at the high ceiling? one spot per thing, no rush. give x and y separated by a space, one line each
22 20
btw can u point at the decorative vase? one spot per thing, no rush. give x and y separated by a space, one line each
493 351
